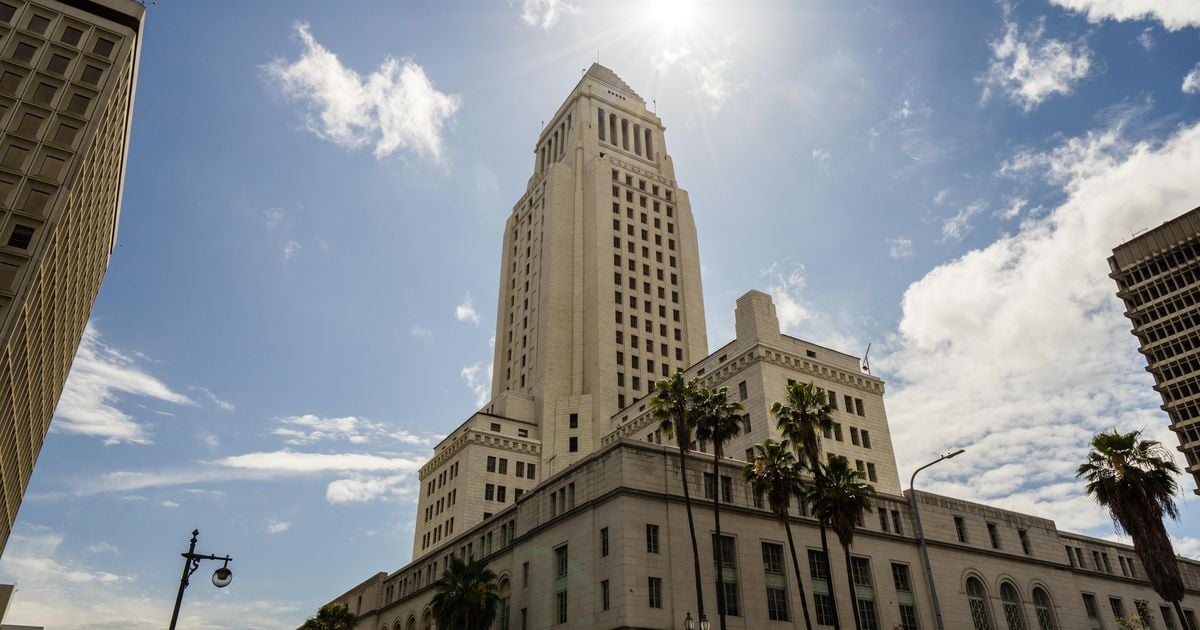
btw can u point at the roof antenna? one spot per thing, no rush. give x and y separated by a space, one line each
655 102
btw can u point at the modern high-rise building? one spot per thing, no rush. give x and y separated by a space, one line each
1158 279
565 485
68 69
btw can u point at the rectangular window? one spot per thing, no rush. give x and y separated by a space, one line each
724 559
726 489
883 520
520 469
742 390
858 407
709 490
655 592
864 593
904 596
1107 566
1118 607
560 601
993 535
574 420
525 575
818 569
604 595
503 466
491 463
489 492
960 527
777 609
501 493
871 476
837 431
1071 557
603 542
573 444
651 538
854 436
866 438
560 561
1093 611
529 471
1168 617
897 525
1024 536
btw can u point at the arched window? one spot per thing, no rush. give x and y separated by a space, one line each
412 623
427 620
977 600
504 613
1012 606
1041 604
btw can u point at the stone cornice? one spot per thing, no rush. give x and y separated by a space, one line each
526 446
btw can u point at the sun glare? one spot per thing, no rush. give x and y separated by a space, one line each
673 15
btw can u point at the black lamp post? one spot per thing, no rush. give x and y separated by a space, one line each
912 497
191 561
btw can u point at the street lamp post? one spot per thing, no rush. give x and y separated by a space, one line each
191 561
912 498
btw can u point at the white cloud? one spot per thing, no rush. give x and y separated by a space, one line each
1146 38
1030 67
1191 81
910 110
1016 205
821 157
277 527
466 312
310 428
290 250
293 462
218 402
99 376
1174 14
940 197
900 247
60 592
421 331
664 59
955 228
479 381
1021 347
364 488
395 107
103 547
169 504
274 217
211 440
796 314
544 14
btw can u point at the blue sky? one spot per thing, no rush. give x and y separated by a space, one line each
303 294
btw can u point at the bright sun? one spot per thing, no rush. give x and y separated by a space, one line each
673 15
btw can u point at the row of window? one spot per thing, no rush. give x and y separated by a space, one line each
1160 264
960 529
500 466
641 185
624 135
1100 561
1159 288
1165 308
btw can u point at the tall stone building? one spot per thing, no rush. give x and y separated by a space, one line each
1158 279
565 486
68 69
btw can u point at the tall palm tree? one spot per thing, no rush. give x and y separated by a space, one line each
334 616
467 596
720 420
1134 479
775 474
840 498
674 406
802 419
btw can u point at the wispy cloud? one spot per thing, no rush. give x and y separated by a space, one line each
420 331
664 59
361 488
1191 81
955 228
277 527
1016 206
103 547
545 14
274 217
466 312
821 157
1146 38
310 428
169 504
99 377
1069 364
711 72
900 247
1173 14
396 107
1030 67
479 381
217 401
796 313
291 249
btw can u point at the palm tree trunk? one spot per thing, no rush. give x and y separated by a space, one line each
832 599
783 520
850 581
1183 623
687 501
720 542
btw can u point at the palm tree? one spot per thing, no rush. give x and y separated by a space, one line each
720 420
334 616
775 474
807 415
1134 479
840 498
467 597
674 406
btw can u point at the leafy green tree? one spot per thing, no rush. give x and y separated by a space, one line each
803 418
467 596
1134 479
674 405
840 498
334 616
776 475
719 420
